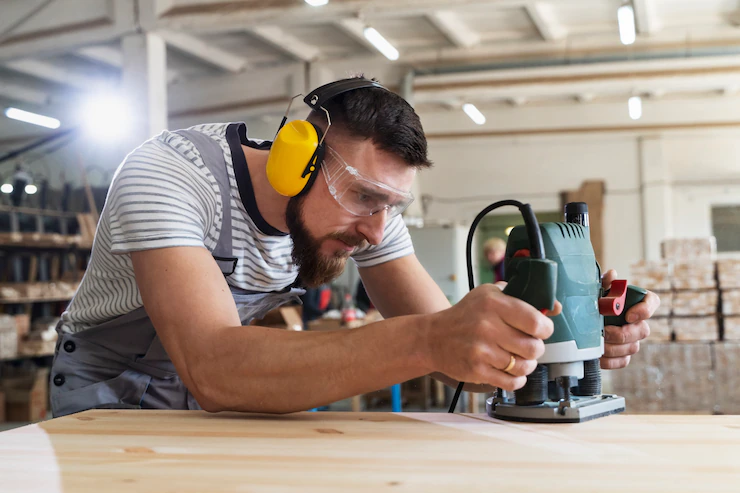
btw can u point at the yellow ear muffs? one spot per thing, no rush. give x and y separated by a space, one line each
295 157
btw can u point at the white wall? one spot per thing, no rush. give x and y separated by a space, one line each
661 180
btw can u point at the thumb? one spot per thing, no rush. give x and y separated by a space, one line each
608 277
500 284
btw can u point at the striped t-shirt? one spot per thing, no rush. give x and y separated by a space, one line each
163 195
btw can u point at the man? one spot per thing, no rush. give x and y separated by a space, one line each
195 241
495 251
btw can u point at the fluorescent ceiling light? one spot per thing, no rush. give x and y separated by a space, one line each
382 44
317 3
635 107
6 188
31 189
626 19
35 118
474 113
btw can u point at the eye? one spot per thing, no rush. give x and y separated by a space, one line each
363 198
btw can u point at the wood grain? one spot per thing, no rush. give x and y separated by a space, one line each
163 451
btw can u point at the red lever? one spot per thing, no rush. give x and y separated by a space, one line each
612 304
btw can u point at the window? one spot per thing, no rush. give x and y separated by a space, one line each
726 227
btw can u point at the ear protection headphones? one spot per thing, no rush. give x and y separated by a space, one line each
298 149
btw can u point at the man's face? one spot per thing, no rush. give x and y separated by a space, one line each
324 233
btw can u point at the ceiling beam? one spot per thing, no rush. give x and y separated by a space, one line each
646 21
23 94
114 58
287 43
203 51
49 72
543 17
107 21
220 15
454 28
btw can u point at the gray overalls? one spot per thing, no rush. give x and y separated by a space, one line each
122 363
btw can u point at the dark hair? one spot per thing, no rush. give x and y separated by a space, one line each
380 115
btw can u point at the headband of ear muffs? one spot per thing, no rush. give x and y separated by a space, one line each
298 149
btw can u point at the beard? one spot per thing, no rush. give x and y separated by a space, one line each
314 267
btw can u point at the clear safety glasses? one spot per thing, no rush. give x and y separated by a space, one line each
358 194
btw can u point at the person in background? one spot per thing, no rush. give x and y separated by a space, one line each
495 250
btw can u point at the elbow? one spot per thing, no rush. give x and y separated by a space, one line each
207 395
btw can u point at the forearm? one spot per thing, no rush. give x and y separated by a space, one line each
261 369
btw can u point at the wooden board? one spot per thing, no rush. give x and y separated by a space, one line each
187 451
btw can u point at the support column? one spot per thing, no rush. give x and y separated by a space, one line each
414 211
657 200
144 84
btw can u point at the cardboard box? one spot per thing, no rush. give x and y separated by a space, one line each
689 249
694 275
695 328
27 397
668 377
660 329
727 378
22 325
728 272
691 303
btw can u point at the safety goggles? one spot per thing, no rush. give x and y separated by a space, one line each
358 194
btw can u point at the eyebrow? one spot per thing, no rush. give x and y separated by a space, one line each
376 195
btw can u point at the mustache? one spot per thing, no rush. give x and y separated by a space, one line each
351 240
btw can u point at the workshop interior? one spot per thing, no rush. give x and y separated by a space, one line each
568 137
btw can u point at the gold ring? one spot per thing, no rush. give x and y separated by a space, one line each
511 364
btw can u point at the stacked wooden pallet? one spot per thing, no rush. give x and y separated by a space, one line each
686 281
728 276
688 365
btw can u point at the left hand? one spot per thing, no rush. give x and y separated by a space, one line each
620 343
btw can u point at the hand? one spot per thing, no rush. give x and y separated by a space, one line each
620 343
474 340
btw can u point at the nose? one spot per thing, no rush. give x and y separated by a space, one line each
372 227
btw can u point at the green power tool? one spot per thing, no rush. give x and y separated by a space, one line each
555 261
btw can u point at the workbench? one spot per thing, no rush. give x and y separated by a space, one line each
187 451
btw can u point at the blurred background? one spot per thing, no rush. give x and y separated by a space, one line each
631 106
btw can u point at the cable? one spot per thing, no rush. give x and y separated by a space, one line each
536 248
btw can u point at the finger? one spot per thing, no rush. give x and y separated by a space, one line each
644 309
619 350
500 379
500 284
522 366
626 334
614 363
522 346
557 309
525 318
608 277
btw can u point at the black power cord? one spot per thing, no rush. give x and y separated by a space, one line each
536 249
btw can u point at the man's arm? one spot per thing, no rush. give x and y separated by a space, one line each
259 369
403 287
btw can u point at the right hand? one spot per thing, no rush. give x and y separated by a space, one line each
474 340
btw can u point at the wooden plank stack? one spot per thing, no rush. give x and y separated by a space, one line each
728 275
689 362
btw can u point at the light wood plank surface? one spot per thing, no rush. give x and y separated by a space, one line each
182 451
